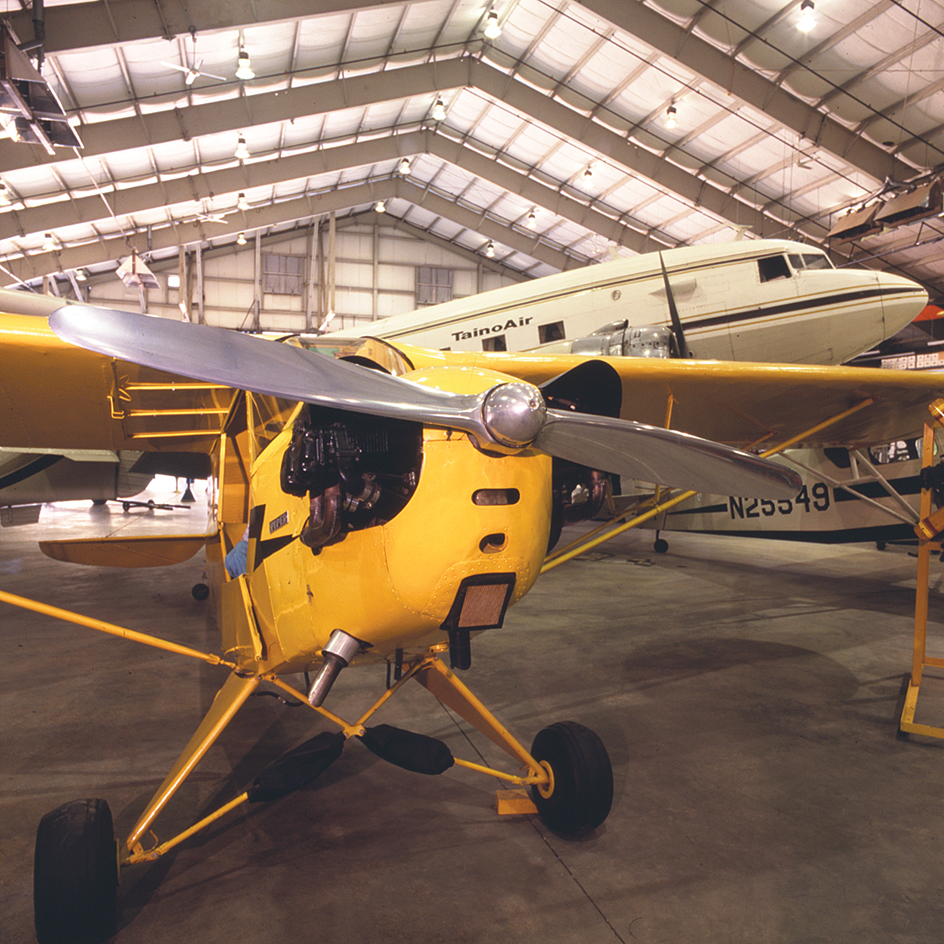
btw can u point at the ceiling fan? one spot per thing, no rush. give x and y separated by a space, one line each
193 71
205 214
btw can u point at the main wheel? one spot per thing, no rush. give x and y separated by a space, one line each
75 874
580 794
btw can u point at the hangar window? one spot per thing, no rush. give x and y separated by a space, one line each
773 267
282 275
433 285
551 332
495 343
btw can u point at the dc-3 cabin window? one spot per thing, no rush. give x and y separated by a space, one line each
495 343
772 268
551 332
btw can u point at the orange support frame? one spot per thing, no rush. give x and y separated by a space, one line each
927 530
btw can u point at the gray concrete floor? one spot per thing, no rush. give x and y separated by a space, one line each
748 693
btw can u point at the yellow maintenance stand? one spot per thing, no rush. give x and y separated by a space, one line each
928 529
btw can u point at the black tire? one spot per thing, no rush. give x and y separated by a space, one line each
75 875
660 545
200 591
580 797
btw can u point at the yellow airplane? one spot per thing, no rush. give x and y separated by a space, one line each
395 503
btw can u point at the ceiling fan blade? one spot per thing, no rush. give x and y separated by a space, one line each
663 456
173 65
246 362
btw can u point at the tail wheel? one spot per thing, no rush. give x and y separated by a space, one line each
580 793
75 874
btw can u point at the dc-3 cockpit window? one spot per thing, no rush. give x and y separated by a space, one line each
810 260
773 267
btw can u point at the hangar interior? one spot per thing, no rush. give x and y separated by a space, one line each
501 141
396 154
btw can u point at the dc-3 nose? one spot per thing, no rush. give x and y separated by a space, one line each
902 300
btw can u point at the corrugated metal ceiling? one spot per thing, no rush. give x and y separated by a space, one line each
554 145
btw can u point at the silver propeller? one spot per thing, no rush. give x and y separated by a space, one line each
508 416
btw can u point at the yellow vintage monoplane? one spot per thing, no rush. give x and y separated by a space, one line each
380 505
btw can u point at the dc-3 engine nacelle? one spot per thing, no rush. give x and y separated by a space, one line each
620 340
384 532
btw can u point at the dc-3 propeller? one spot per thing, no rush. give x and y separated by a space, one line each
508 417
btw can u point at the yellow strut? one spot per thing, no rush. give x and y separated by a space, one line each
112 629
562 558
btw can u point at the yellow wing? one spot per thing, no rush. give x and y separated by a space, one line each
56 396
738 403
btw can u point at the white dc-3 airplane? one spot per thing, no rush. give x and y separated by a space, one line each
765 300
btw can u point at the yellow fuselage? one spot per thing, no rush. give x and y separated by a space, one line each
390 586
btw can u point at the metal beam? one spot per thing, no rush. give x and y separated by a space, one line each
166 241
750 87
141 131
246 111
232 180
81 26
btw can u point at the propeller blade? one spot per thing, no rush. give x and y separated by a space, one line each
652 454
246 362
512 415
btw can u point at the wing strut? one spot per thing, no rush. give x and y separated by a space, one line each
612 528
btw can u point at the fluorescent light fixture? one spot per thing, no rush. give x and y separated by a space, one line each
807 17
243 68
241 239
242 151
133 272
671 117
492 29
439 110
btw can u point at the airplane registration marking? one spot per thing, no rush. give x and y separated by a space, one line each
815 498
